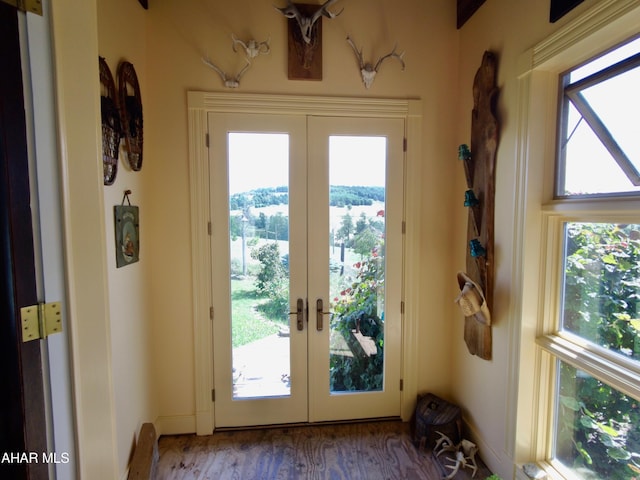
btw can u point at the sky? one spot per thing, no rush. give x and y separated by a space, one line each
261 160
590 168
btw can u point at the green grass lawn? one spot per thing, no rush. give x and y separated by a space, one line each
248 325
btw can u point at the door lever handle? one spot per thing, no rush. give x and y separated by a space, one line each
299 313
319 314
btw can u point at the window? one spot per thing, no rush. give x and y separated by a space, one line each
592 298
597 426
599 151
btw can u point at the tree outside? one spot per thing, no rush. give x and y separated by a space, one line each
598 427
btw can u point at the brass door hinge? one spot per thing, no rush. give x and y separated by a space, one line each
33 6
41 320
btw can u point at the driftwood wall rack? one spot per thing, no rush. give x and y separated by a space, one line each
479 168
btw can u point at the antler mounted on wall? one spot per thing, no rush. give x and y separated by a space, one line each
228 80
305 38
307 23
252 49
367 69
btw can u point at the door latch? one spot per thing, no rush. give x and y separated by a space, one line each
41 320
299 314
319 314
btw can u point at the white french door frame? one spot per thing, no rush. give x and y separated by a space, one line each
200 104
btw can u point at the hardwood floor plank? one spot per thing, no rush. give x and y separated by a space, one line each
371 451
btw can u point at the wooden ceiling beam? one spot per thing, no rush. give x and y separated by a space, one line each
466 9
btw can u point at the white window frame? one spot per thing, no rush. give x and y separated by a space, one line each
538 232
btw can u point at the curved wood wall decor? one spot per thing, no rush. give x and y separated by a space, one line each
479 167
111 127
131 113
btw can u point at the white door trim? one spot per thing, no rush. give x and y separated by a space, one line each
199 105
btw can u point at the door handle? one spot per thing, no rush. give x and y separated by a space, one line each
319 314
299 313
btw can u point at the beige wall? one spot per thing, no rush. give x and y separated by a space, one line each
74 48
179 34
484 388
122 37
150 325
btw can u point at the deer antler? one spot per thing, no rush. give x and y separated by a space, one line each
323 11
357 52
393 54
369 71
229 81
306 23
252 48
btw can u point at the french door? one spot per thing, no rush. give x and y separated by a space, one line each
307 261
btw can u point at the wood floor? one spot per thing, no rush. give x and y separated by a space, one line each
367 451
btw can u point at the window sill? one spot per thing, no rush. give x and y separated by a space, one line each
552 471
617 372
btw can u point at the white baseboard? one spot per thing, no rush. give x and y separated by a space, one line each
496 462
175 425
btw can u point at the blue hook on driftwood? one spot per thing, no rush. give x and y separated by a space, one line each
470 199
476 248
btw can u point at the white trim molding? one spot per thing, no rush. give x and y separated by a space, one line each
200 104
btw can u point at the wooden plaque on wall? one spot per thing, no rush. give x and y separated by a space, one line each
304 60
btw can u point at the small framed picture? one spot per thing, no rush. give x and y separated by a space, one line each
127 235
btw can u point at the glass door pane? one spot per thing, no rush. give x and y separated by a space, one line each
259 259
307 215
259 264
357 181
355 267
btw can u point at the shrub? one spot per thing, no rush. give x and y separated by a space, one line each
272 281
597 425
358 308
